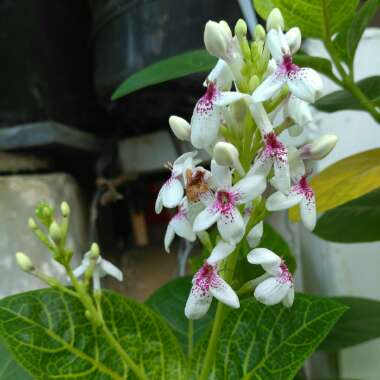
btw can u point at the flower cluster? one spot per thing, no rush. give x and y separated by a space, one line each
235 122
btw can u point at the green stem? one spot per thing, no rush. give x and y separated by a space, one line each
347 79
219 318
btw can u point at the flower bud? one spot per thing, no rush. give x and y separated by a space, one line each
55 232
95 251
241 28
226 154
65 209
24 262
319 148
294 39
180 127
32 224
275 20
215 39
259 33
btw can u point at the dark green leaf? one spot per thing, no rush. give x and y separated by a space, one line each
169 301
49 335
322 65
347 40
312 15
343 100
359 324
192 62
272 240
353 222
9 369
260 342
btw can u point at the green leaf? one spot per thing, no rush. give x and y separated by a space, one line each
272 240
353 222
322 65
347 40
344 181
9 369
169 301
343 100
48 333
192 62
260 342
359 324
312 16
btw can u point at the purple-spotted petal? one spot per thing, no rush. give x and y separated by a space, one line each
306 84
263 256
281 173
222 76
289 298
220 252
262 166
299 111
223 292
198 303
206 218
172 192
269 87
182 226
249 188
231 226
272 291
228 97
279 201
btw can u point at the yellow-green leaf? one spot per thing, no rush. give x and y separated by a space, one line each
345 180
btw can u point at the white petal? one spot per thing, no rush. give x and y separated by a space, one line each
299 111
254 236
220 252
269 87
289 298
178 163
108 268
205 219
182 227
296 165
308 212
263 256
96 279
294 39
221 75
193 209
158 205
261 118
305 84
220 175
249 188
279 201
231 226
261 166
277 44
198 303
169 236
172 192
272 291
80 270
205 124
228 97
282 173
224 293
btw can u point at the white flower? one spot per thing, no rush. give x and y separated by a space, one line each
274 153
254 236
304 83
221 207
207 115
179 225
206 285
102 268
300 193
278 285
318 148
171 193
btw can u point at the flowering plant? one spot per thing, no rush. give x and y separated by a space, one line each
256 100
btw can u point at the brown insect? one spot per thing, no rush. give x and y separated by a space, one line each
196 185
